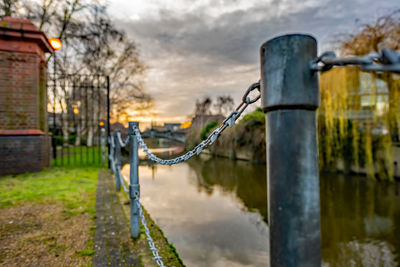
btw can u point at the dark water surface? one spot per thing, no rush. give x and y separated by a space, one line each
214 211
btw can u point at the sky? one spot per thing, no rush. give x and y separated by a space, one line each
198 48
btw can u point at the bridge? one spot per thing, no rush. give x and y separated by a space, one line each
172 135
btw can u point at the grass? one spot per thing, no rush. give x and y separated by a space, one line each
73 191
73 187
79 156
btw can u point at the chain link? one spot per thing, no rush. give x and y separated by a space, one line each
153 248
122 143
386 61
112 152
121 179
229 121
150 241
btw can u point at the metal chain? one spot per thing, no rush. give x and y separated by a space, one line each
229 121
150 241
153 248
111 155
122 143
386 61
119 174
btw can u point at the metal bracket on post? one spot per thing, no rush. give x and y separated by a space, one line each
134 191
134 179
117 163
290 97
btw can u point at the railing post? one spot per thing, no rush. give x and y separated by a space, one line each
117 164
134 189
111 154
290 97
103 146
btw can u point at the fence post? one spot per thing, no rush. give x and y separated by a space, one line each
134 189
117 164
108 113
290 97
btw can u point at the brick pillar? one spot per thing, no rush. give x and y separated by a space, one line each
24 139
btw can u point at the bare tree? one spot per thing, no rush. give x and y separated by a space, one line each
91 45
7 7
203 106
224 104
206 106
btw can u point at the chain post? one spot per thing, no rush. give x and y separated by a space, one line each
111 155
134 188
102 145
290 97
117 164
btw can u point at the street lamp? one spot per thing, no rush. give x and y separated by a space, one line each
56 45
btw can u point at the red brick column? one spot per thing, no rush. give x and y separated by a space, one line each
24 140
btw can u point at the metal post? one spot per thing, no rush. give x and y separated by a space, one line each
53 138
108 115
111 154
117 164
102 145
134 188
290 97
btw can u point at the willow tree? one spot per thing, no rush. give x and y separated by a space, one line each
359 115
382 33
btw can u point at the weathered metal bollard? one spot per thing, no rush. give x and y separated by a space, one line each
290 97
111 158
134 189
103 145
117 163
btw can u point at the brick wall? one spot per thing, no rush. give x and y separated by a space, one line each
19 90
21 154
24 140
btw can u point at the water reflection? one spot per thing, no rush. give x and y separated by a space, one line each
246 181
360 222
208 223
215 212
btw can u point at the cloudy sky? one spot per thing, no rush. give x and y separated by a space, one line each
197 48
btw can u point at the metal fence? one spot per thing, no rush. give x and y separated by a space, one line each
290 97
80 109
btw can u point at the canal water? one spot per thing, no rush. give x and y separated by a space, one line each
214 211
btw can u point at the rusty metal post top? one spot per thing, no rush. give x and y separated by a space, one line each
285 63
131 125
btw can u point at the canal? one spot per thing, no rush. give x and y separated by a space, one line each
214 211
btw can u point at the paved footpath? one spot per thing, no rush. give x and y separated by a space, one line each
112 241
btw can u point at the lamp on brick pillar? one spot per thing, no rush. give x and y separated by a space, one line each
24 139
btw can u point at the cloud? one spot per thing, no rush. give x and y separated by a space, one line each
212 47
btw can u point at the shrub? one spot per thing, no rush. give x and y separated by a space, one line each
207 129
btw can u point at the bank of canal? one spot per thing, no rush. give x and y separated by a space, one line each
214 211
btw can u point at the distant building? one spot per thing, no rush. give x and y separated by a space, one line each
201 120
119 126
173 127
